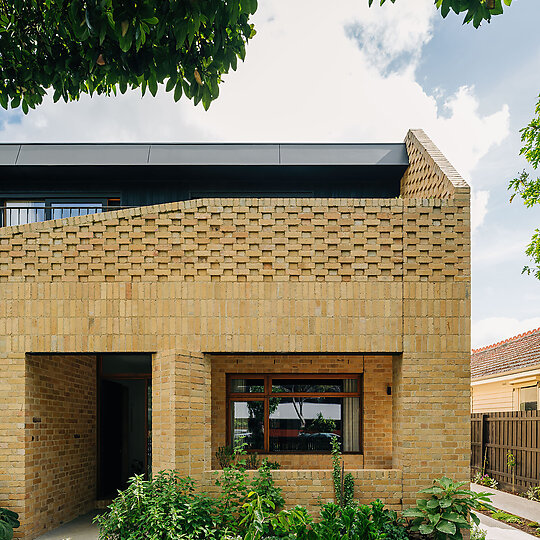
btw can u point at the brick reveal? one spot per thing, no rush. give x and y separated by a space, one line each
61 438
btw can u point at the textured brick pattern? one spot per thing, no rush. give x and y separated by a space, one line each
239 240
377 435
61 438
374 277
430 174
377 412
432 391
436 241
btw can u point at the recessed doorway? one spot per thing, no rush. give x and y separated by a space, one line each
124 420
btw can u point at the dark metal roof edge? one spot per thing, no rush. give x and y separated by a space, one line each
203 154
201 143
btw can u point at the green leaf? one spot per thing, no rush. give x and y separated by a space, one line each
413 512
152 85
426 528
446 527
433 490
178 91
170 84
6 532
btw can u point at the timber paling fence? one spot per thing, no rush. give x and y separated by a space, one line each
495 434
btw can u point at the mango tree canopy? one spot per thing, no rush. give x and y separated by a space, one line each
475 11
79 47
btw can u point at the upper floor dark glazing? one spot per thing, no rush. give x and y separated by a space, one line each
49 181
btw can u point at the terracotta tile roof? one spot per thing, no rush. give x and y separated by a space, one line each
514 353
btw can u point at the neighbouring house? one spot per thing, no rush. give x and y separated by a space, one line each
505 375
160 301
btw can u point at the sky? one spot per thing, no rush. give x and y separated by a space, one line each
349 73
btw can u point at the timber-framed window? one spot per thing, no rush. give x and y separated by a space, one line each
284 413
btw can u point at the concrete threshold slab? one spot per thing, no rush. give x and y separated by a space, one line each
81 528
513 504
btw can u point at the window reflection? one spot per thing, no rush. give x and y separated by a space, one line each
247 423
65 210
308 424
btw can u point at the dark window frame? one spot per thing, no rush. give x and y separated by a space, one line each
267 394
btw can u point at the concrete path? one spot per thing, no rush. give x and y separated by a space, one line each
512 504
496 530
81 528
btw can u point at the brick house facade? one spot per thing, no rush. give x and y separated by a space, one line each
374 288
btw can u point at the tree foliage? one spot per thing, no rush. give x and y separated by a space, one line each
76 47
79 47
528 187
475 11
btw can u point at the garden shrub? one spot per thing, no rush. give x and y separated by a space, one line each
346 523
165 507
388 522
343 483
8 521
477 533
446 512
533 493
235 484
335 523
485 480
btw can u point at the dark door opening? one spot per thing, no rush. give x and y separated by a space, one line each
124 447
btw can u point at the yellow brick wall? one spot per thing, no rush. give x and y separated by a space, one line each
60 457
310 488
309 276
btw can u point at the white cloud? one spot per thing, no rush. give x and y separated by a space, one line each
494 329
465 136
311 74
304 79
479 203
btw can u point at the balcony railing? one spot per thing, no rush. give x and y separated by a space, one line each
12 214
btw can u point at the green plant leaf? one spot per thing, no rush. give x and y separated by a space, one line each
446 527
426 528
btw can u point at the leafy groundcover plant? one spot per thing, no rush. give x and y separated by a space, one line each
533 493
485 480
443 515
164 507
8 521
247 507
336 522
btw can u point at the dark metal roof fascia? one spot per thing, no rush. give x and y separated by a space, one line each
81 154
